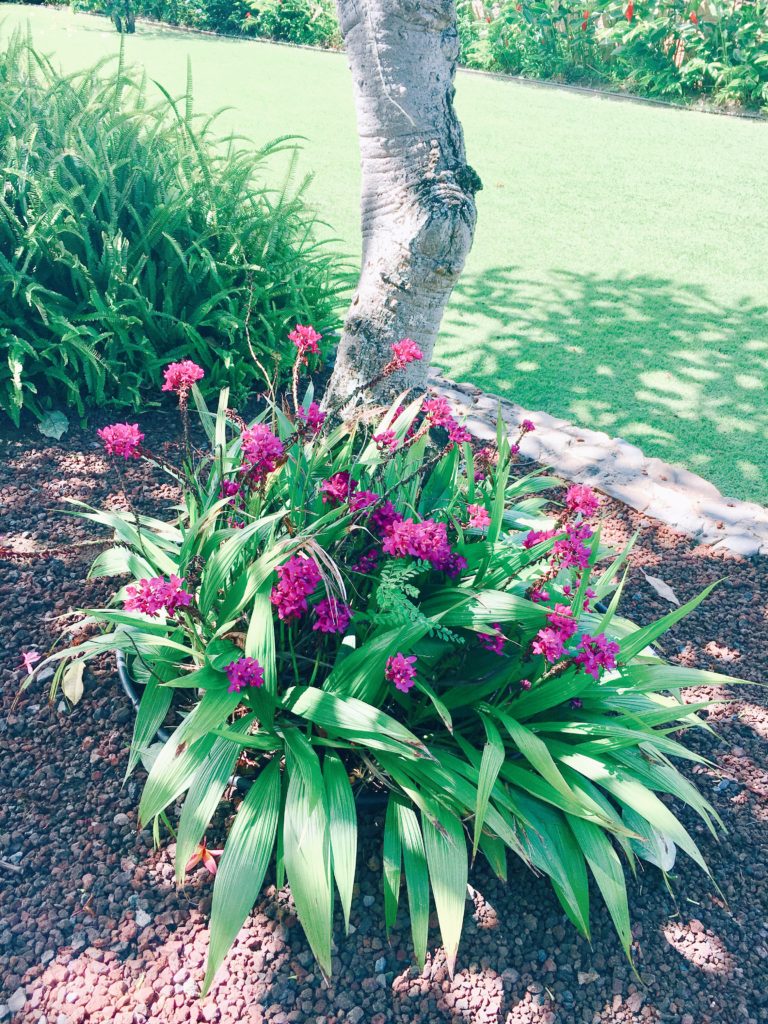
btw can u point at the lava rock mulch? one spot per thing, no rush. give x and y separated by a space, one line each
92 927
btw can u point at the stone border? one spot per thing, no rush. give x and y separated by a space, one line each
671 494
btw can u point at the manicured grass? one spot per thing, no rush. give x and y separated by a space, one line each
618 276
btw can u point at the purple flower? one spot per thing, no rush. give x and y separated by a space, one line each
244 672
400 671
596 652
261 449
576 703
122 439
548 642
405 351
362 499
367 563
384 517
582 499
525 684
180 377
305 339
479 519
312 416
338 488
527 426
386 441
561 620
331 616
150 596
297 579
493 642
534 537
426 540
438 412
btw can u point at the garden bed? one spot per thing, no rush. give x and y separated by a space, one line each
94 929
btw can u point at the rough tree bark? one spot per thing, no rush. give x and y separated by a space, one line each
418 207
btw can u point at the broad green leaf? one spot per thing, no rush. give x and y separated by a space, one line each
153 707
203 797
446 849
606 868
392 862
535 751
243 865
307 852
184 751
342 818
490 766
416 879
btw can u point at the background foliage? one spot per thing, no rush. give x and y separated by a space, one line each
677 49
128 236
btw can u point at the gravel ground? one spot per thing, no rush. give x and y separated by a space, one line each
93 929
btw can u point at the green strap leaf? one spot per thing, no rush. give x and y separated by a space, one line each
446 849
416 878
490 766
606 868
243 865
307 852
342 817
392 863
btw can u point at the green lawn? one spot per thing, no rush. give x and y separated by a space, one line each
618 276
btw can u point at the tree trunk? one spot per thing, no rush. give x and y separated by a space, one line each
418 193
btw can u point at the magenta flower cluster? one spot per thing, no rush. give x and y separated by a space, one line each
312 416
493 642
337 488
261 450
151 596
331 616
243 673
479 518
595 653
401 671
551 640
180 377
305 338
582 499
297 580
122 439
404 352
426 540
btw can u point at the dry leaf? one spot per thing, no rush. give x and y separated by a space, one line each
72 681
662 589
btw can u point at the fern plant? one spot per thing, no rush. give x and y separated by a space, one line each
129 235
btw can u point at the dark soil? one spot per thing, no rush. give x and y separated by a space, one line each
92 927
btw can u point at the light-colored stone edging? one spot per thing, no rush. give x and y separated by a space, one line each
671 494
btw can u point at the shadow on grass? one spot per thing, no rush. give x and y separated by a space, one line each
666 367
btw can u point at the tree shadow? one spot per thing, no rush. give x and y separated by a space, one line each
665 366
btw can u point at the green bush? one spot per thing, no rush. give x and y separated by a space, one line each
380 606
128 235
307 22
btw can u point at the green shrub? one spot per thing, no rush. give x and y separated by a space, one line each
307 22
379 607
127 235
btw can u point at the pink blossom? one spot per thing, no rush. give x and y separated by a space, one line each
229 489
525 684
479 517
535 537
150 596
572 552
305 339
549 642
596 652
362 499
458 434
331 616
514 449
261 450
29 659
400 671
493 642
527 426
589 595
539 596
384 517
386 441
576 703
180 377
312 416
367 563
426 540
582 499
244 672
122 439
338 488
455 565
438 412
561 619
297 579
404 352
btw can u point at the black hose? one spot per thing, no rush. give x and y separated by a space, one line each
129 688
